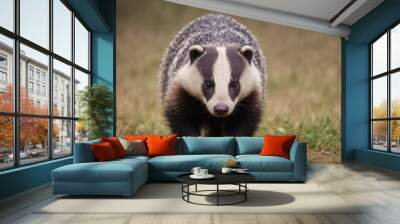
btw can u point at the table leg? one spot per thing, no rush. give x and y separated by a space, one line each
217 194
245 193
188 190
195 188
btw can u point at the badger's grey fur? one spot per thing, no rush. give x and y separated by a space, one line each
194 79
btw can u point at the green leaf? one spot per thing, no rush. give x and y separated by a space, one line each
96 102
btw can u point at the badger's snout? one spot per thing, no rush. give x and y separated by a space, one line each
221 109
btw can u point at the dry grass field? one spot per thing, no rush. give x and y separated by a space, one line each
303 68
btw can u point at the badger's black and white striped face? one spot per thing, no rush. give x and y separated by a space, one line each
220 76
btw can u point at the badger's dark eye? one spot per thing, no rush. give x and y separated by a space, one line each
234 84
209 84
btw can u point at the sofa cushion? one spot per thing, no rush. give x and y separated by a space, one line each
103 152
185 163
133 157
161 145
116 145
112 171
135 147
249 145
208 145
278 145
257 163
83 152
136 137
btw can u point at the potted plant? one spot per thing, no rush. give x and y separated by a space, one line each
96 102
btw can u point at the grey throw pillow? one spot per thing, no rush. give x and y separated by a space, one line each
137 148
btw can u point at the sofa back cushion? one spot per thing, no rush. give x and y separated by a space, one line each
135 137
161 145
278 145
249 145
136 147
207 145
104 152
83 152
116 146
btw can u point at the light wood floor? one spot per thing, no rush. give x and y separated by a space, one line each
379 189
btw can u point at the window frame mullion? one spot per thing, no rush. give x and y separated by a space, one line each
73 82
389 100
16 69
50 81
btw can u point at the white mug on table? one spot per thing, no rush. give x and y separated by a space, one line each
203 172
226 169
196 171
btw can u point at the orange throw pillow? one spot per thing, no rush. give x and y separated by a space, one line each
103 152
277 145
161 145
116 145
135 137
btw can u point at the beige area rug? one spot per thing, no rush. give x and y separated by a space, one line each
166 198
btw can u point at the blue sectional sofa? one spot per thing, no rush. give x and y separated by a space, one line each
125 176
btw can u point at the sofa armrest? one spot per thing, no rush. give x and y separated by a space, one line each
298 155
83 152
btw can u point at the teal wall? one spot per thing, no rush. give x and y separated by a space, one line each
103 65
355 106
104 53
355 86
99 16
24 178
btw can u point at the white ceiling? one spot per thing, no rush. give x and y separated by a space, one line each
326 16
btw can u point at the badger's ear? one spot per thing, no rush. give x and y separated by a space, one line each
247 52
195 52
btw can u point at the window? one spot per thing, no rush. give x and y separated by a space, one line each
7 14
33 147
62 74
49 78
38 89
44 91
62 137
38 74
62 31
30 87
81 45
6 73
30 72
3 61
81 81
3 78
34 21
3 72
6 142
385 94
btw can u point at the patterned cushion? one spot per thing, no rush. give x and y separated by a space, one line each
136 147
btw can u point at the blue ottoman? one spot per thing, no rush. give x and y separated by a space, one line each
118 177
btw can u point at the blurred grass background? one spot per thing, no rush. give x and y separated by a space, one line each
303 75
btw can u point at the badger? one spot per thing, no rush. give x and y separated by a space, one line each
212 79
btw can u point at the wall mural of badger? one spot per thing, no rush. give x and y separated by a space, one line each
213 78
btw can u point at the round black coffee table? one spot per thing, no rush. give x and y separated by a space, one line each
238 179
